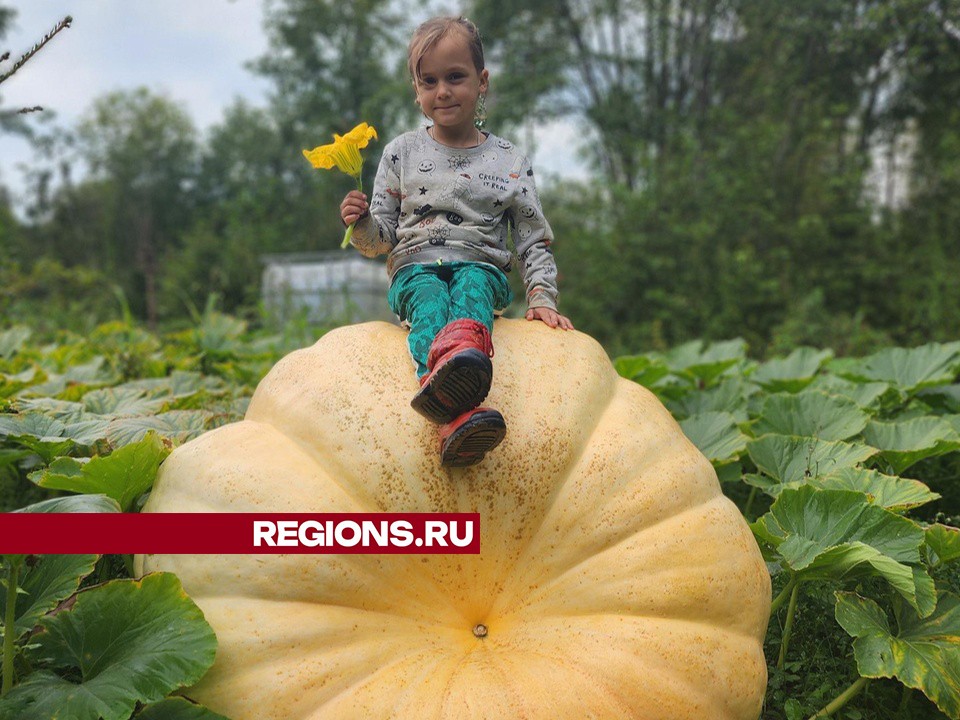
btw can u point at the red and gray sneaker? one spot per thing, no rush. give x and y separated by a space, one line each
465 440
460 371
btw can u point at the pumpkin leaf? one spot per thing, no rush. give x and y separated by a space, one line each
89 431
811 414
943 544
946 398
52 384
887 491
953 421
835 534
38 433
716 435
768 484
924 654
65 411
641 369
729 472
178 425
730 395
891 492
788 458
43 586
792 373
93 373
672 388
868 395
910 369
74 503
126 641
178 384
907 442
123 475
121 401
697 360
12 340
10 385
177 708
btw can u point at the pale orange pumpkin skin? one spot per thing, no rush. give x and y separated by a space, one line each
615 579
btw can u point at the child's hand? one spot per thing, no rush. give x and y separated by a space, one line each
353 207
550 317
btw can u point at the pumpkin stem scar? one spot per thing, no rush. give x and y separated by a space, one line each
480 631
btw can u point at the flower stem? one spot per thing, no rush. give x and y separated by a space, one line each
346 236
9 624
842 699
349 233
784 594
788 627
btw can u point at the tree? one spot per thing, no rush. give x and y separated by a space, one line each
254 194
335 65
144 147
641 75
734 139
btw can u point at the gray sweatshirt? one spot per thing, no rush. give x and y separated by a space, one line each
432 203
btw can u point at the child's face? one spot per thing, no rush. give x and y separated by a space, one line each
449 84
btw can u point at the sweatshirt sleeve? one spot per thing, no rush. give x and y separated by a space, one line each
532 237
376 232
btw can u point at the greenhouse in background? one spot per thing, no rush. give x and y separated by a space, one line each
326 287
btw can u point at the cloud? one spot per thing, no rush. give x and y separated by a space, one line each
558 149
192 51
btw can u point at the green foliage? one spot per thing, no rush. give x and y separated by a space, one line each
177 708
716 435
811 447
74 503
331 66
53 296
734 151
731 147
797 441
811 414
825 534
748 211
47 582
74 418
115 654
124 475
921 653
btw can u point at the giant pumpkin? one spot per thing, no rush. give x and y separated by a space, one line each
615 579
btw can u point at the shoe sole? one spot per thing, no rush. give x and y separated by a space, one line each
459 385
473 440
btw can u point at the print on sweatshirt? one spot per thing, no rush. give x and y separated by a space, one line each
435 203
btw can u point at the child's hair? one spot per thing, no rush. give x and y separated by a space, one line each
432 31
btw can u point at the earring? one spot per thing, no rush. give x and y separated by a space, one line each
480 114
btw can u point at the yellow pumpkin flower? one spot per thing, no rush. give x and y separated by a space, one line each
360 136
344 154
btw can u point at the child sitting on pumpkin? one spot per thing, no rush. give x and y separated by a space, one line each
442 202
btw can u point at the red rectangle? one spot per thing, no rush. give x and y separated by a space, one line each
239 533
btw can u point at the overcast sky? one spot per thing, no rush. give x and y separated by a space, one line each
194 51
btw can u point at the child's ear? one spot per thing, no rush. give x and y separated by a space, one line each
484 80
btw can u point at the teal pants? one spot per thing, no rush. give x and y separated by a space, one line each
430 296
